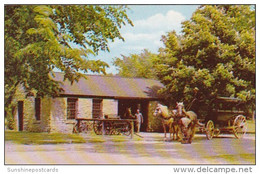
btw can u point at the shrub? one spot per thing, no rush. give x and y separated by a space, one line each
155 123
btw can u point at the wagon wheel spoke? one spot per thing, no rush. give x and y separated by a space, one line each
210 129
97 126
75 129
127 129
116 130
84 127
89 126
239 126
108 128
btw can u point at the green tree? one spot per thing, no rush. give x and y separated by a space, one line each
215 53
42 38
136 65
142 66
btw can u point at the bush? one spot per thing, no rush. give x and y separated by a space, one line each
10 123
155 123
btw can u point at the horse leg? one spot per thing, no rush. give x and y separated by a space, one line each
164 130
170 128
178 131
171 131
193 132
175 132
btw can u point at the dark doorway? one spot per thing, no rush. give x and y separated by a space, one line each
123 104
20 115
145 111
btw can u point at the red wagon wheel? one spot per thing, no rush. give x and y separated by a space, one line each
239 126
210 129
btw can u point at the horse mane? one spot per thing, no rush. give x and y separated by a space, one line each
192 115
165 111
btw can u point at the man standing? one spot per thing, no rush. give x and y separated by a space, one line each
139 120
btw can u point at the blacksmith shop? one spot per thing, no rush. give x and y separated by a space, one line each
94 97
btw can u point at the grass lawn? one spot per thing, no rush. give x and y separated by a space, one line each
42 138
58 138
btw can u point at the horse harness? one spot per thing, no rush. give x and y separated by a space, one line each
166 119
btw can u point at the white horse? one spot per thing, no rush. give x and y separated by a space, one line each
168 120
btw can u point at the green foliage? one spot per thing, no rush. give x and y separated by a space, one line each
215 53
155 123
41 38
136 65
10 123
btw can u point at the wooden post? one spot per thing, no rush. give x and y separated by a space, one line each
78 125
132 129
103 128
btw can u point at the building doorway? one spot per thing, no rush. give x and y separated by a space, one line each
20 115
123 104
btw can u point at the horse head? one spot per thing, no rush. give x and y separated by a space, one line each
128 113
180 108
157 111
161 110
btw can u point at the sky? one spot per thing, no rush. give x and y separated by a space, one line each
150 23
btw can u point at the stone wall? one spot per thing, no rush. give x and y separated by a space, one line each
84 108
110 107
29 120
20 96
59 121
59 115
42 125
53 114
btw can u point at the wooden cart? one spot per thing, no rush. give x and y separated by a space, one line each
105 126
226 117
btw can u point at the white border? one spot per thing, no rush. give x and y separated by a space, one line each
151 169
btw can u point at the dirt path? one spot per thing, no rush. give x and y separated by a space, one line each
148 150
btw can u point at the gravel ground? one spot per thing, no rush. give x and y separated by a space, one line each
151 149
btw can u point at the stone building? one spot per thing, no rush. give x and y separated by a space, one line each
93 97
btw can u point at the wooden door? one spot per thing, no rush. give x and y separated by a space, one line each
20 115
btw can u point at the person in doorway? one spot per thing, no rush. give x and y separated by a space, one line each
139 120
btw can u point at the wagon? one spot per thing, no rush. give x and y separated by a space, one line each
105 126
226 117
112 126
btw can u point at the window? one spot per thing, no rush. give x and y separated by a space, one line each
97 108
37 108
72 108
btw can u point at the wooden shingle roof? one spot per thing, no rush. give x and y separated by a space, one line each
110 87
